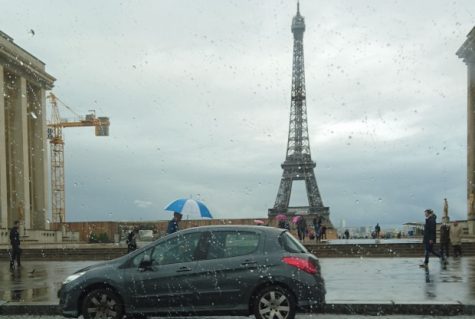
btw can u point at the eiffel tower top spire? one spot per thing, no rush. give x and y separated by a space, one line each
298 23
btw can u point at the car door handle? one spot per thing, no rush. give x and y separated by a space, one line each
249 263
183 269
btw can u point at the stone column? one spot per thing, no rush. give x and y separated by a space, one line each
467 53
38 155
20 151
4 222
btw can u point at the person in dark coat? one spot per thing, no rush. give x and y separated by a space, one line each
347 234
284 224
317 223
377 230
173 224
301 228
323 233
444 240
429 236
15 243
456 238
132 240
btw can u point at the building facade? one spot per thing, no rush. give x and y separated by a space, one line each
23 140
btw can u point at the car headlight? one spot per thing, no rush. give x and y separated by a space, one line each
73 277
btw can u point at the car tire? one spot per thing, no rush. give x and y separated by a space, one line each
274 302
102 303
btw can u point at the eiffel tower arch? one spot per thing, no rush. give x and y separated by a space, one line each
298 164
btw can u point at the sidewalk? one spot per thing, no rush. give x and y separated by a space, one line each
354 285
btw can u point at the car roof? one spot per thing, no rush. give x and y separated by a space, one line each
265 229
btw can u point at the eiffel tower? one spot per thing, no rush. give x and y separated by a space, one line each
298 164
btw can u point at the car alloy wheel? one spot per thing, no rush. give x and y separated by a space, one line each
274 302
102 303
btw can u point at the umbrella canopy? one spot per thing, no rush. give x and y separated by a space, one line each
258 222
281 217
189 208
295 219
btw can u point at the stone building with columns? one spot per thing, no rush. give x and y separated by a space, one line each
467 53
23 141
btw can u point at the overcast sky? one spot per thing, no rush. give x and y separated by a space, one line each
198 93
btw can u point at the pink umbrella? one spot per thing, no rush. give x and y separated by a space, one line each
295 219
280 217
258 222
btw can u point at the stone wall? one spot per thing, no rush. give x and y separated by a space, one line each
119 230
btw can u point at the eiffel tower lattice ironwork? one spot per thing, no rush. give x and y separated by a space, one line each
298 164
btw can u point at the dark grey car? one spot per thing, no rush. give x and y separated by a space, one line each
207 270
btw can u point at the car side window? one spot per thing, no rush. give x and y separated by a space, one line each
178 249
291 244
138 258
228 244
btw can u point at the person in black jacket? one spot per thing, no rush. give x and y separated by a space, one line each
429 236
15 242
444 240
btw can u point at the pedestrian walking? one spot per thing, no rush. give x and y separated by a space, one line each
15 251
173 224
444 240
132 240
347 234
429 236
456 239
323 232
301 228
377 230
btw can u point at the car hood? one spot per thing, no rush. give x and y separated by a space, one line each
108 263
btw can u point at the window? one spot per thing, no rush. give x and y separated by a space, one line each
291 244
179 249
135 262
231 244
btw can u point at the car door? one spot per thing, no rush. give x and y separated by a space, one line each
230 268
159 278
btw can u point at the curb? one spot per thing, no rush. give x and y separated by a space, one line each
391 308
353 308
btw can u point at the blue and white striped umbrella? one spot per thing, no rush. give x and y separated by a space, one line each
189 208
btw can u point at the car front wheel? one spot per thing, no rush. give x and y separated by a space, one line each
274 302
102 303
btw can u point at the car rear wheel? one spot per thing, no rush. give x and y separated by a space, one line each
274 302
102 303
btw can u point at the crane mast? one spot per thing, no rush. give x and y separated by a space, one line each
55 135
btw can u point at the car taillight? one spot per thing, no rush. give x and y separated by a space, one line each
301 263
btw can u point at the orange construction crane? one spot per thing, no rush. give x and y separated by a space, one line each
55 135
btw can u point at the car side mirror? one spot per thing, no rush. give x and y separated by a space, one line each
146 263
